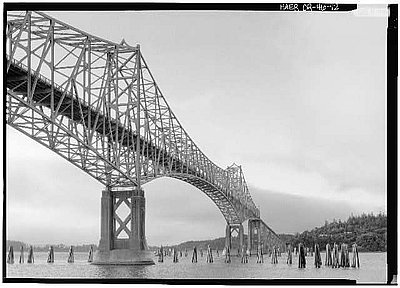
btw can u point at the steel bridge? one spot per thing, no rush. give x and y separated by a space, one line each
96 104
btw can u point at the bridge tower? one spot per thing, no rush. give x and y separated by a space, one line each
230 228
254 235
122 239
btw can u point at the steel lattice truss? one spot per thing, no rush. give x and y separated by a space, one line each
96 104
270 238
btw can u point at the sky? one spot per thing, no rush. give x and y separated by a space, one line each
297 99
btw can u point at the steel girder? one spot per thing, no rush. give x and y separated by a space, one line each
96 104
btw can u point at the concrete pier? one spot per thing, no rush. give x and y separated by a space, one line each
254 235
123 241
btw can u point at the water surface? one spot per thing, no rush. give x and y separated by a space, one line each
372 269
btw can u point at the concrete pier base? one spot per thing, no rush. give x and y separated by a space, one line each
123 257
254 236
123 239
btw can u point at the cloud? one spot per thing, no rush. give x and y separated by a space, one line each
288 213
299 101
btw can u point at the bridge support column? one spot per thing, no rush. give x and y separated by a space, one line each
106 221
254 235
228 236
230 228
123 240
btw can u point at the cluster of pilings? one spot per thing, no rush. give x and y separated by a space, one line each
10 257
244 254
50 255
335 256
162 253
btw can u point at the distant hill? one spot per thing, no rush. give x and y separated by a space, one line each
16 245
218 243
44 248
369 232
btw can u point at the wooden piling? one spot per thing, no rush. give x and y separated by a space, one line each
175 256
90 256
302 256
201 252
194 256
244 259
210 258
21 256
70 255
317 257
50 256
328 255
180 253
335 256
344 256
355 263
186 253
217 253
227 255
260 257
31 259
275 253
295 251
161 255
347 256
289 259
10 257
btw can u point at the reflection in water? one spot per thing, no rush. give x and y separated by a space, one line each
122 271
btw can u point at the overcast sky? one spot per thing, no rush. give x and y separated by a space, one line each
297 99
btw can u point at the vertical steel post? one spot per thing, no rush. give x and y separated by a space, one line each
107 107
29 54
29 59
116 141
9 36
52 80
89 71
137 158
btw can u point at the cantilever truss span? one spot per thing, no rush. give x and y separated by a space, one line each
96 104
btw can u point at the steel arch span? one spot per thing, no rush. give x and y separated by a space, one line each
96 104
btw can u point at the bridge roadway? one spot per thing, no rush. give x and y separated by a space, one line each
17 82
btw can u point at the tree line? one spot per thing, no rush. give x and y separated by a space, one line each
368 231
